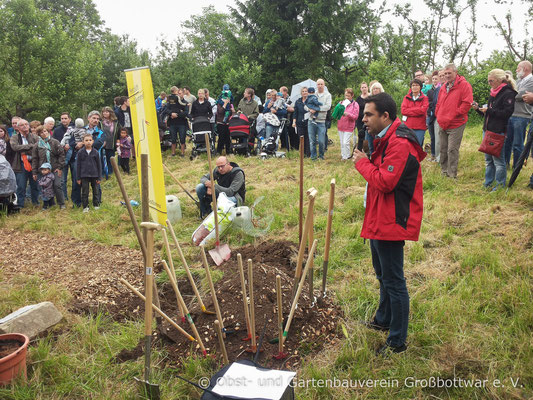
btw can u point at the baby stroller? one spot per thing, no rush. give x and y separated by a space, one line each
201 126
267 147
8 187
239 131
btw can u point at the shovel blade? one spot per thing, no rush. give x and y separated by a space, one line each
220 254
149 390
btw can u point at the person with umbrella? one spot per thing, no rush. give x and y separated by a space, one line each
497 113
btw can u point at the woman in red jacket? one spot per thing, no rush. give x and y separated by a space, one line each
414 109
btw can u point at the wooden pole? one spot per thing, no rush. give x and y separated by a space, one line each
221 342
244 296
172 272
212 288
280 313
252 306
301 206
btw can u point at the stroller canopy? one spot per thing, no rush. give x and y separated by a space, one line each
8 182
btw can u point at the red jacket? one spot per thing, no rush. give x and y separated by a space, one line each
394 202
415 111
453 106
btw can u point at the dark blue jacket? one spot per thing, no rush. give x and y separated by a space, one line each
281 113
299 112
88 165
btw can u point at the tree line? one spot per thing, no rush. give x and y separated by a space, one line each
58 55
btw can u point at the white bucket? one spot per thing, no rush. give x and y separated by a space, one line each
173 208
242 217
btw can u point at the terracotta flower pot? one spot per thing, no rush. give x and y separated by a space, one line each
14 364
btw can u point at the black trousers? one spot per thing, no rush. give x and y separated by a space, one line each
302 131
223 139
125 164
85 192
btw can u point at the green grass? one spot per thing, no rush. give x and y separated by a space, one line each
469 279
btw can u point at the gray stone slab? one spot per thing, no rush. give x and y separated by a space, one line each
31 320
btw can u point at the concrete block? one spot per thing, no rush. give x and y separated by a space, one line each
31 320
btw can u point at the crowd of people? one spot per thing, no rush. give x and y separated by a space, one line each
42 154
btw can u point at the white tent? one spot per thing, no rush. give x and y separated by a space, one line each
296 89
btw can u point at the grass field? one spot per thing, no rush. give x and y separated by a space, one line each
469 279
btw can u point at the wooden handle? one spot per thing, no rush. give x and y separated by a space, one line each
301 250
221 342
280 312
252 306
299 291
171 272
151 226
330 218
149 275
212 288
157 310
185 265
312 261
182 305
213 194
244 297
173 177
128 206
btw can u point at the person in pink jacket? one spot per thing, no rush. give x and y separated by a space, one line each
346 124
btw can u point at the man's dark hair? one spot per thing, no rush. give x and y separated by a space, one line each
65 113
187 88
383 103
120 100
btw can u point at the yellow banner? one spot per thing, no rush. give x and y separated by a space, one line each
146 136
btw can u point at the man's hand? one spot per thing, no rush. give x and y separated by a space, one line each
66 147
78 181
34 177
312 111
207 184
290 109
173 115
79 145
358 155
98 182
274 110
59 172
528 97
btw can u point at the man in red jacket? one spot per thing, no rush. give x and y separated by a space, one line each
455 100
393 214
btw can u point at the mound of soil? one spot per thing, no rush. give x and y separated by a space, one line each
312 326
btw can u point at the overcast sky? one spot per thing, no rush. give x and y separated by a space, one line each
162 18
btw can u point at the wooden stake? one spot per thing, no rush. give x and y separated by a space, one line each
328 238
244 297
212 288
252 306
311 238
181 304
301 204
299 291
221 342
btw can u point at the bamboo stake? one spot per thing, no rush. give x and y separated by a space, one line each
157 310
181 304
301 203
280 313
299 291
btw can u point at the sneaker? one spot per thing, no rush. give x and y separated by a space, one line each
86 210
386 350
62 207
375 326
96 207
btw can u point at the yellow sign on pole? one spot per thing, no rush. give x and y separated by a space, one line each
146 137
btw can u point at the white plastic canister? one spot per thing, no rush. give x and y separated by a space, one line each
242 217
173 208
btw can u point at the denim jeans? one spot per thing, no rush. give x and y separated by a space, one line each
495 169
420 133
393 309
317 133
431 130
370 139
22 181
205 199
514 142
108 154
